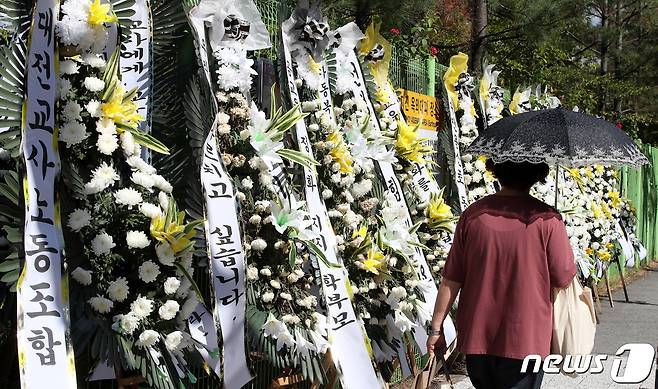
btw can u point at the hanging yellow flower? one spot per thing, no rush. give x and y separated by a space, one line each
339 152
409 145
100 13
458 65
378 68
374 262
615 199
121 108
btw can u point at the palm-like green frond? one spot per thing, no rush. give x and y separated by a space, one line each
12 77
124 11
11 220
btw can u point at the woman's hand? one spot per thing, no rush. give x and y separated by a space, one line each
436 343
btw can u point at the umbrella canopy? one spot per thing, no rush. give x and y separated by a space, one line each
557 136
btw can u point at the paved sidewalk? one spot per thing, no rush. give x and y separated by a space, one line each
632 322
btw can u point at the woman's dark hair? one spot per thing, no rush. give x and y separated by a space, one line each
519 176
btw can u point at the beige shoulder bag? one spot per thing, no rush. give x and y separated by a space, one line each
574 320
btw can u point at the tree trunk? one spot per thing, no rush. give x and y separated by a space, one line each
478 35
619 45
603 61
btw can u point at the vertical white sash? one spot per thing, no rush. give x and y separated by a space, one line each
44 351
348 343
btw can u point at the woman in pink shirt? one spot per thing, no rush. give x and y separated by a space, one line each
509 250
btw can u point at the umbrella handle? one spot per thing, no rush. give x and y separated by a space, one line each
557 187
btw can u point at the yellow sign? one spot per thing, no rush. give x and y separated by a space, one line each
417 107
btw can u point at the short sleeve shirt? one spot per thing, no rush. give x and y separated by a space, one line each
508 252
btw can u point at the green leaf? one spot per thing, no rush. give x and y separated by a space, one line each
8 266
147 140
10 277
298 157
292 255
315 250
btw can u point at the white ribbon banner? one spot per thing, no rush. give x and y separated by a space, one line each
45 354
227 263
393 186
458 168
626 246
136 68
202 329
348 343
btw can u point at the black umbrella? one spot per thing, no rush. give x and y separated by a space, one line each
557 136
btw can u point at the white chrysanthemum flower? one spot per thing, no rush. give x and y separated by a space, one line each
275 284
78 219
82 276
128 143
162 184
173 340
93 107
258 244
68 67
141 307
147 338
105 174
163 199
102 244
106 126
72 111
148 271
247 183
252 273
168 310
150 210
128 323
72 133
63 88
107 143
223 118
255 219
137 240
101 304
171 285
128 196
94 60
94 84
267 297
142 179
118 289
165 253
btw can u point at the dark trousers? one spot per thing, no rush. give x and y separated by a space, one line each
492 372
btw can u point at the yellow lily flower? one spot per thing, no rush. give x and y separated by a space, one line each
609 245
374 261
517 98
606 210
589 173
340 152
173 234
597 211
600 169
603 255
615 199
360 232
121 108
100 13
408 145
314 66
575 172
438 209
589 251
